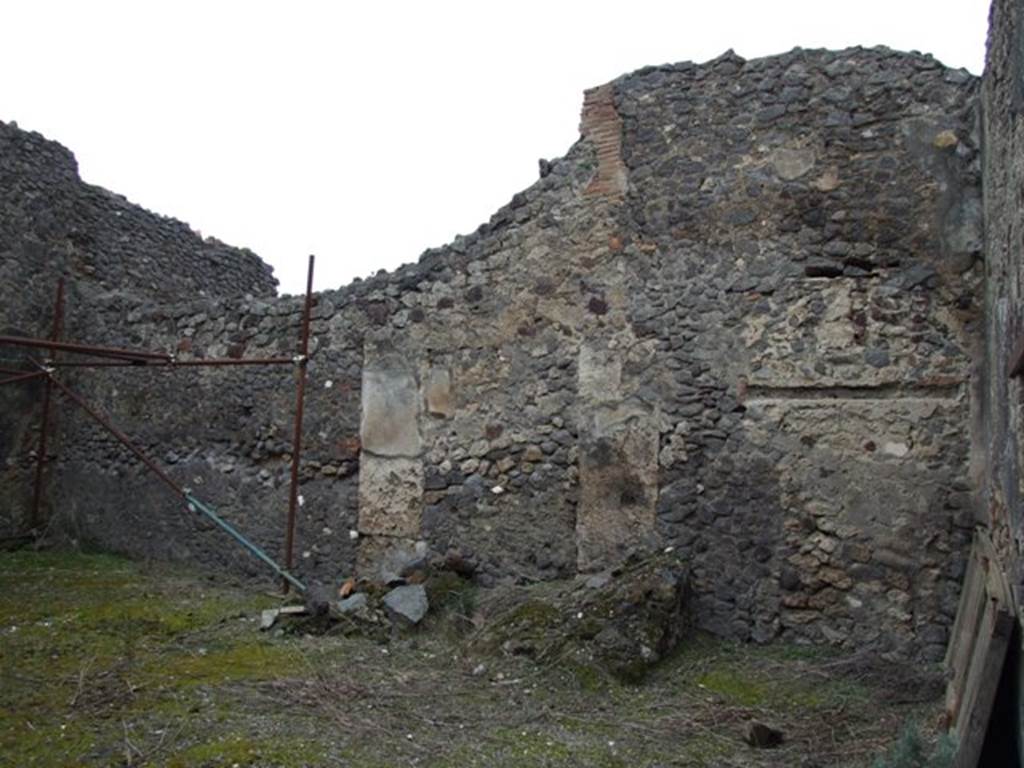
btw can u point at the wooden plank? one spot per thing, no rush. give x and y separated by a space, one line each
985 669
967 595
975 665
998 585
961 645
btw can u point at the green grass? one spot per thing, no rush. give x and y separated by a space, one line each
105 662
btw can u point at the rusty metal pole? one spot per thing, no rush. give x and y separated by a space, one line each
128 358
300 394
194 363
44 425
22 377
83 349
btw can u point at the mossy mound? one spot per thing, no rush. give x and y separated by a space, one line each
620 623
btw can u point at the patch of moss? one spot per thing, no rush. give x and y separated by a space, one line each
447 590
25 561
589 677
243 750
453 603
245 660
534 613
90 639
733 687
28 742
702 751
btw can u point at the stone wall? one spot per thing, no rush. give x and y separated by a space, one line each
738 318
53 224
998 439
813 222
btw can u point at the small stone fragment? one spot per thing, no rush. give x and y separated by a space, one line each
353 603
408 602
945 140
534 454
268 618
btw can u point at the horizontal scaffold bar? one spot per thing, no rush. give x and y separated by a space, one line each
123 358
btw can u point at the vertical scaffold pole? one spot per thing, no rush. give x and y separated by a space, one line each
300 395
44 425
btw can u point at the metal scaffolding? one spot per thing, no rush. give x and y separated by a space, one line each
115 357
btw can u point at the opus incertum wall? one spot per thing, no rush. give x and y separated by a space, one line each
737 318
53 224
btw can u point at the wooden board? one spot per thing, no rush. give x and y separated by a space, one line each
965 630
977 650
982 682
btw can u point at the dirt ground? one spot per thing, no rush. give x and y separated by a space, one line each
105 662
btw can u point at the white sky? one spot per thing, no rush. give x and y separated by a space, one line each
365 132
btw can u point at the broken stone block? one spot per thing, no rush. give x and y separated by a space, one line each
621 626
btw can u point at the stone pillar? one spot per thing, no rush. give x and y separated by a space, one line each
391 466
618 465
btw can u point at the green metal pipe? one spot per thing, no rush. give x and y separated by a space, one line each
195 504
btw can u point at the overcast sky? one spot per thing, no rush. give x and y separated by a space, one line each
366 132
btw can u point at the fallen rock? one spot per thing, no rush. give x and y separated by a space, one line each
353 603
459 563
621 626
408 603
269 617
762 736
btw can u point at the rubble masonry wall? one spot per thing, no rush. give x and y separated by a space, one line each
738 318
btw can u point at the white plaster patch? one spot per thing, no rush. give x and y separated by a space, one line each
390 415
899 450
